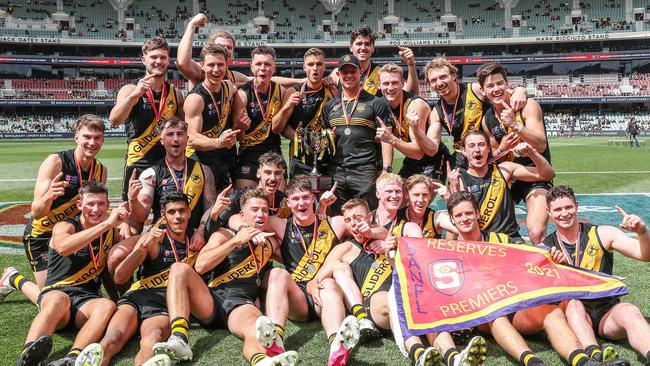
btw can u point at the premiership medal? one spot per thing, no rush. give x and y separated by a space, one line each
258 282
346 116
375 265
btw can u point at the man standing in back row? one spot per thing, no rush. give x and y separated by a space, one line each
353 117
143 106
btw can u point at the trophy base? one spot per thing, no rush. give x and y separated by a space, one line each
320 183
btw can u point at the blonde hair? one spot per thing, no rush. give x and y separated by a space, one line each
392 68
314 52
389 178
439 63
221 34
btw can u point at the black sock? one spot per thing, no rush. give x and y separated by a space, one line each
594 352
450 355
280 330
330 338
180 328
530 359
578 358
257 358
415 352
359 311
17 281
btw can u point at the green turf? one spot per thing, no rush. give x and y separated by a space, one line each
21 161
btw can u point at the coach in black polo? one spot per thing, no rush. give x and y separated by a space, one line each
359 156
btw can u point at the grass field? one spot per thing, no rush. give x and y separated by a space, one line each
587 164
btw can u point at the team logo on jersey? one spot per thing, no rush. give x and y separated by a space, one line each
361 107
592 251
496 183
322 234
471 105
447 275
196 178
473 188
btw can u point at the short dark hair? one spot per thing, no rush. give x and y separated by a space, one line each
488 69
91 122
272 159
172 197
355 202
173 122
560 192
299 183
263 50
92 187
363 31
155 43
213 49
459 197
251 194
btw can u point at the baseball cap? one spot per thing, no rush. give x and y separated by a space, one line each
349 60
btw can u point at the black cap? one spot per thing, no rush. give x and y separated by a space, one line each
349 60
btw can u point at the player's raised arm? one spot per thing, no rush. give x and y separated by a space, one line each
49 186
190 69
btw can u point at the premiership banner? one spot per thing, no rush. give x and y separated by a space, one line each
445 285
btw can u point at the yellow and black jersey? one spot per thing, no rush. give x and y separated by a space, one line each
217 117
495 237
401 129
496 205
590 253
230 77
262 106
81 268
499 131
143 137
308 112
65 206
372 272
244 267
355 135
304 248
463 116
427 223
190 180
154 273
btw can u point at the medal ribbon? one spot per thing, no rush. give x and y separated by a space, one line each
362 82
217 107
258 262
177 257
179 186
421 221
576 260
450 122
312 244
399 121
344 107
499 156
303 90
161 105
90 249
91 173
265 115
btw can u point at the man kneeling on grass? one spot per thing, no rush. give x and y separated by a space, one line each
77 253
233 264
144 305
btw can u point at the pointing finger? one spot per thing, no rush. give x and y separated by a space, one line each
505 105
133 177
268 235
620 210
57 178
158 223
226 191
336 184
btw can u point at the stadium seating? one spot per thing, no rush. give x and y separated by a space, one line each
299 21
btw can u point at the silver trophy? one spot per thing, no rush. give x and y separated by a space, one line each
316 142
